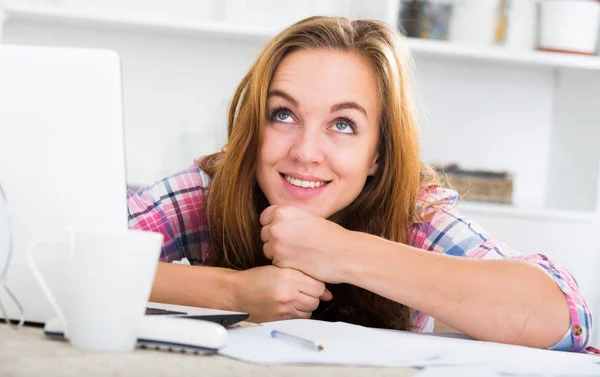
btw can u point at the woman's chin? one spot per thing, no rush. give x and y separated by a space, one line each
312 208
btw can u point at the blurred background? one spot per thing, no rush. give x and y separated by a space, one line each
509 94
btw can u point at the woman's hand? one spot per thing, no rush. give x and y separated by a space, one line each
271 293
295 238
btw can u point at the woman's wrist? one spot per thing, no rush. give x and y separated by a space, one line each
232 290
210 287
355 252
362 256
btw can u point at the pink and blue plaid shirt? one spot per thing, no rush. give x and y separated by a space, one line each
174 206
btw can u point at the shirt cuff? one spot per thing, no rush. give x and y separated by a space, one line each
566 343
578 334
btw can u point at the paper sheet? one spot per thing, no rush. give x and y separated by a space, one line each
518 360
458 371
343 345
346 344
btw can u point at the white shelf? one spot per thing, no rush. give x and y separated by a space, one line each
214 28
501 54
246 32
540 214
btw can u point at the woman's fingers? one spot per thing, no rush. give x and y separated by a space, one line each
327 295
303 315
265 233
311 287
306 303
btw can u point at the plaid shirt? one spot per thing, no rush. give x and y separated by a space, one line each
174 207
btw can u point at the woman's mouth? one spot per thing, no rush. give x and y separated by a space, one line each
303 189
303 183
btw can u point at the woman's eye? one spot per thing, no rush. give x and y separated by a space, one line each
283 116
343 127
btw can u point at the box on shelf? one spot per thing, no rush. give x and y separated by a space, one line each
477 185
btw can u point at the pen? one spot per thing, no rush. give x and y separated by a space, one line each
314 345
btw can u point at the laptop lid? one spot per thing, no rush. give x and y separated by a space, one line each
62 158
222 317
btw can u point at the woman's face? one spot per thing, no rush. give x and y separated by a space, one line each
321 131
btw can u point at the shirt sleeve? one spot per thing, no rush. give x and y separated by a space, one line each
445 230
174 206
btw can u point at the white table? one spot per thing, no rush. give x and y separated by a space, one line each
27 352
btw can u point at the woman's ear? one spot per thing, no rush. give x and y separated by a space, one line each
374 165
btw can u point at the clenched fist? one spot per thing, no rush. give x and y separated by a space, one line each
270 293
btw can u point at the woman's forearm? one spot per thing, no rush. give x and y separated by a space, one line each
208 287
507 301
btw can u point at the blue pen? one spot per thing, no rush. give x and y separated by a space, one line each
313 345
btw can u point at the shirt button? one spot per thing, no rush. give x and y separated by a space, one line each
577 330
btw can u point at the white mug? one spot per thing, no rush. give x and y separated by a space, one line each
109 276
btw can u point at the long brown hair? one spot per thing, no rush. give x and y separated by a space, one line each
386 205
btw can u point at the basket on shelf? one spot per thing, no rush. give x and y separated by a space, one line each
477 185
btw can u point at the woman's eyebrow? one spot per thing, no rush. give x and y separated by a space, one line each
348 105
336 107
282 94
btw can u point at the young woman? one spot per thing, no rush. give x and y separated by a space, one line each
319 207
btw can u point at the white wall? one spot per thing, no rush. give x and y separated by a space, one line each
573 179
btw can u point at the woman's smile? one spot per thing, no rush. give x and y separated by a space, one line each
303 187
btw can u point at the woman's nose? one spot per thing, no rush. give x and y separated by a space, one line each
307 147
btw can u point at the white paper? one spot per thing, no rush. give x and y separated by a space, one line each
458 371
505 359
346 344
515 360
343 344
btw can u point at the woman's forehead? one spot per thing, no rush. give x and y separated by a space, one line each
326 75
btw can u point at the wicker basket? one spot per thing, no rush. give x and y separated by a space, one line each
478 185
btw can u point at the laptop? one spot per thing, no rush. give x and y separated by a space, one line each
62 162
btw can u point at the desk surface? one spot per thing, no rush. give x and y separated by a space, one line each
27 352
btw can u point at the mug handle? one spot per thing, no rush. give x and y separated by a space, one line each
40 279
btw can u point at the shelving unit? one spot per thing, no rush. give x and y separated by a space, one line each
225 29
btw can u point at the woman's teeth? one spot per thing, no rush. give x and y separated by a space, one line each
305 184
